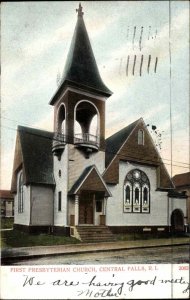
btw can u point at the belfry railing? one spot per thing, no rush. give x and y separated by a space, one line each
59 141
86 139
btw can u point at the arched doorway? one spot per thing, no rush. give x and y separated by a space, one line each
177 221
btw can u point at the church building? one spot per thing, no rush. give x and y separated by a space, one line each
75 182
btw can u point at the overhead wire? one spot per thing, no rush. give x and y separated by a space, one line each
122 156
37 128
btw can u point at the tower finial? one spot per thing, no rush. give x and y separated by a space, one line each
79 10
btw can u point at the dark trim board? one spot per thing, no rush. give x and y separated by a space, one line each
32 229
61 230
144 230
49 229
65 231
139 229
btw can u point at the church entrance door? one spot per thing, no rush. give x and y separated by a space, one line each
86 210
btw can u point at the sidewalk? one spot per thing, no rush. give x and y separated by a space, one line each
41 251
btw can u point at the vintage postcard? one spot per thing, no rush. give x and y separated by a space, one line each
95 150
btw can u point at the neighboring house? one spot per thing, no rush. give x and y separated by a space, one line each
7 203
73 178
182 184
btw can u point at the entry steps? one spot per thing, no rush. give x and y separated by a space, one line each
95 234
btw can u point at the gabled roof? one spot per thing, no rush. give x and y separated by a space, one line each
182 179
90 180
36 156
114 142
123 145
81 69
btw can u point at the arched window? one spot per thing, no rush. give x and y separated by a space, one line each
137 192
20 193
140 137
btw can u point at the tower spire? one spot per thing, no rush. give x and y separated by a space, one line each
79 10
81 70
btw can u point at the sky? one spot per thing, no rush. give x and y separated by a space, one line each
35 39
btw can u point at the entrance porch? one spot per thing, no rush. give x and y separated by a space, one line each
89 209
90 194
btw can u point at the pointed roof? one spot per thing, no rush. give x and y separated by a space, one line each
81 69
124 146
90 180
114 142
33 153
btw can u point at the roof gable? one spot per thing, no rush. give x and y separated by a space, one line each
114 142
90 180
130 150
34 152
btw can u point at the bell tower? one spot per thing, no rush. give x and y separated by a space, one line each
79 128
79 102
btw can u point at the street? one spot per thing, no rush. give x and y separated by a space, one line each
169 254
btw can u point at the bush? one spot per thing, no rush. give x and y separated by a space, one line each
7 223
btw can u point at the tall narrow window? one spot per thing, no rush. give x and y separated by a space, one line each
136 192
137 196
145 200
98 206
127 195
20 194
140 137
59 201
145 195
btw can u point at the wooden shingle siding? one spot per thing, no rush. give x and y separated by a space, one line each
145 154
111 174
93 183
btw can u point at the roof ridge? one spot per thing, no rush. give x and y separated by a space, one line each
30 129
124 128
116 141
